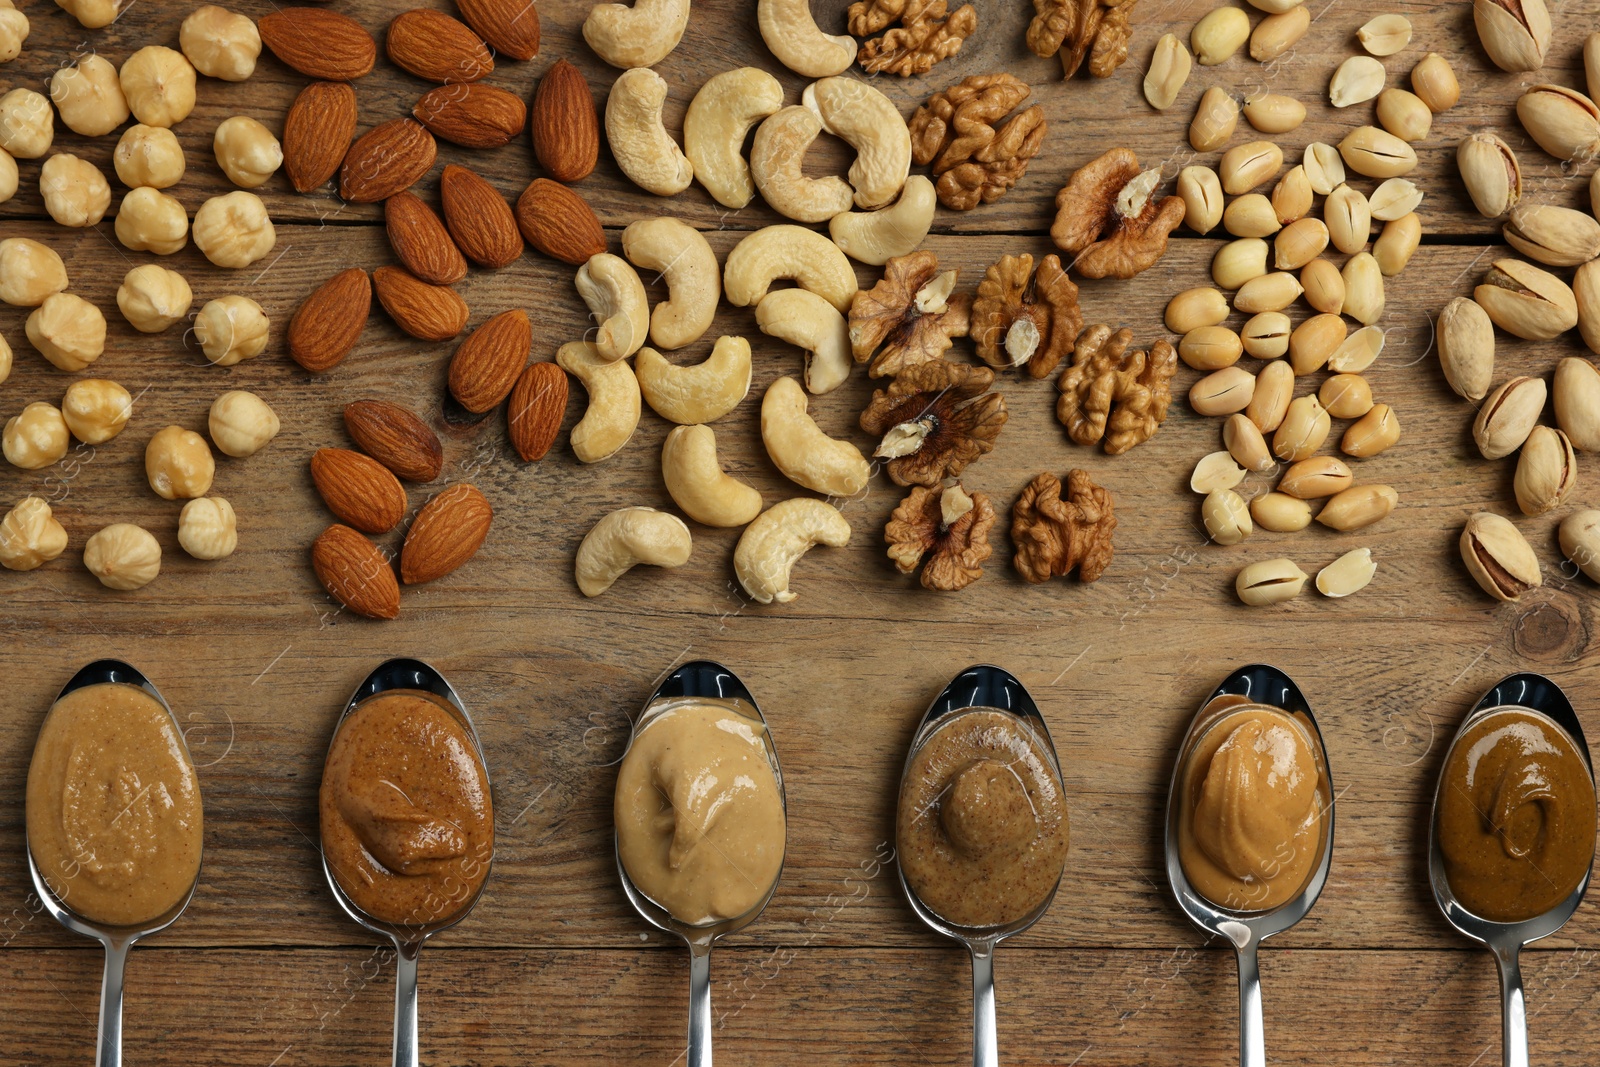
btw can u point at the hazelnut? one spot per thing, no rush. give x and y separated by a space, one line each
88 96
149 220
220 43
27 125
152 297
13 31
233 230
96 409
29 272
159 84
68 331
207 528
30 536
36 438
91 14
8 176
75 192
178 463
149 155
231 328
5 360
246 151
242 423
123 556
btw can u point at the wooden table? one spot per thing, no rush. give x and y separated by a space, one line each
553 967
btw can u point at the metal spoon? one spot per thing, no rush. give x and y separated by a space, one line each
981 686
1255 684
700 682
415 677
1533 692
116 939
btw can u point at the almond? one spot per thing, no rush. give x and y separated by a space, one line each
538 403
487 363
432 45
559 222
511 26
565 125
472 116
355 573
445 534
431 312
319 43
389 157
420 240
396 438
358 489
328 323
317 132
479 218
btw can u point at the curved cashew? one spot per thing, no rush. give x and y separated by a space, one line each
626 538
697 482
613 412
876 237
617 300
638 36
689 267
777 159
701 393
779 536
800 449
644 150
714 129
865 120
786 251
793 36
803 318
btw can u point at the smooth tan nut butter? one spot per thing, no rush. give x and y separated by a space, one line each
982 827
1516 817
700 820
407 818
113 809
1254 797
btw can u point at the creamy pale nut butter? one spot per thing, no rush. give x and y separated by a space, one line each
113 808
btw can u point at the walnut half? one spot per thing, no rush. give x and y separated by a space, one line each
975 157
924 37
1052 536
949 528
1026 318
1096 29
1109 386
1109 217
934 419
909 317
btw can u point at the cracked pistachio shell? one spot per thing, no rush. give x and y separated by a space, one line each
1508 416
1556 236
1280 512
1491 173
1515 33
1576 394
1358 506
1586 292
1547 471
1523 300
1271 581
1580 541
1498 557
1464 337
1373 432
1562 121
1348 574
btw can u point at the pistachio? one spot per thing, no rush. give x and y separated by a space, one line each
1363 288
1169 69
1210 348
1280 512
1385 35
1377 153
1397 244
1394 199
1274 112
1523 300
1373 432
1557 236
1591 64
1346 396
1251 215
1357 80
1580 541
1349 219
1216 470
1270 292
1515 33
1246 445
1266 336
1547 471
1498 557
1465 339
1404 114
1239 261
1508 416
1291 197
1298 244
1586 293
1315 478
1350 573
1313 341
1324 167
1490 171
1276 34
1304 428
1214 120
1218 35
1226 516
1272 581
1246 166
1201 192
1358 506
1194 308
1324 286
1359 351
1434 81
1561 121
1594 192
1576 394
1222 392
1270 402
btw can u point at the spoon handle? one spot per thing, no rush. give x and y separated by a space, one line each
108 1052
699 1004
985 1043
1514 1011
405 1002
1252 1029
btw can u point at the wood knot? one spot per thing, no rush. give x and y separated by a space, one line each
1551 631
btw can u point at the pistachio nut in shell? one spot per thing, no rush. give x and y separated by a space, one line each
1547 471
1358 506
1561 121
1556 236
1523 300
1464 337
1576 394
1580 541
1586 292
1491 173
1508 416
1515 33
1498 557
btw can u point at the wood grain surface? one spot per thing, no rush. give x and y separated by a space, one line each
553 967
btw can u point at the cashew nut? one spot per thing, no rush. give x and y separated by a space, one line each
786 251
701 393
865 119
805 319
779 536
793 36
626 538
613 412
644 150
697 482
616 299
876 237
800 449
689 267
714 129
777 162
638 36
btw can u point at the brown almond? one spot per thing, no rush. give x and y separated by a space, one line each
565 125
328 323
420 240
358 489
445 534
390 157
479 218
355 573
396 438
559 222
319 43
317 132
431 312
511 26
487 363
432 45
472 116
538 403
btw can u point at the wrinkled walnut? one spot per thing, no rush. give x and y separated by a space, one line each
947 526
909 317
1097 29
1053 536
974 159
1026 318
924 37
935 418
1105 375
1109 216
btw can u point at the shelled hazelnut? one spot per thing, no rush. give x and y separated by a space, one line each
68 331
159 84
88 96
246 151
96 409
29 272
178 463
241 423
36 438
30 536
230 329
233 230
220 43
149 155
208 529
75 192
152 297
149 220
123 556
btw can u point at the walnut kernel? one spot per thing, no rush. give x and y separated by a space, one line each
934 419
1109 217
1026 318
974 157
948 528
1052 536
1108 386
909 317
